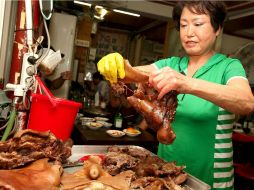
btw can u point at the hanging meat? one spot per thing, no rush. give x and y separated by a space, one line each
159 114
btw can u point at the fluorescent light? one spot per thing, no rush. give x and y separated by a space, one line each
127 13
83 3
232 17
99 7
96 16
103 12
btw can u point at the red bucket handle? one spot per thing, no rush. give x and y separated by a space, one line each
46 91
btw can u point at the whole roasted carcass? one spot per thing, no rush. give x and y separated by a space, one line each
39 175
158 113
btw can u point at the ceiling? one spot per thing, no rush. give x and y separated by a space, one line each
155 14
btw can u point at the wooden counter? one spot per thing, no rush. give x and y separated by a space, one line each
86 136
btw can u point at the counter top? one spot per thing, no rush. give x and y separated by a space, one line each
100 137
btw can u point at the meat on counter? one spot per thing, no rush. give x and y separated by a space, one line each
150 171
29 145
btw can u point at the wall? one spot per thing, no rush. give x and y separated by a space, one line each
230 43
111 40
8 13
151 52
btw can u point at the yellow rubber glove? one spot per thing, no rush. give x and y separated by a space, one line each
111 67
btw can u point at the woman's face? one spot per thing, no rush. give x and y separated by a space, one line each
196 33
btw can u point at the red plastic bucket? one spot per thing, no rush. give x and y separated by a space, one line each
54 114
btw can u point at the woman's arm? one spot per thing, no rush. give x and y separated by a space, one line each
235 97
146 68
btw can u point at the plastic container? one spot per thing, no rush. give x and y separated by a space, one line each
54 114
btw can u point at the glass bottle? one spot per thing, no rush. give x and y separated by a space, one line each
118 120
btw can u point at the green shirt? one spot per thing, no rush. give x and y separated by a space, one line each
203 130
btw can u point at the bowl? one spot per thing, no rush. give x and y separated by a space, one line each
115 133
87 119
93 125
101 118
132 132
84 120
105 124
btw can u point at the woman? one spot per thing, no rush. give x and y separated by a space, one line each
212 88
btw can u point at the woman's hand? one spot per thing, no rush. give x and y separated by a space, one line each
111 67
166 80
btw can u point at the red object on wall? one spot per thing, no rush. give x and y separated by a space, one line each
20 43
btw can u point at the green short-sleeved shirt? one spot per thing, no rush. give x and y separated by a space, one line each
204 130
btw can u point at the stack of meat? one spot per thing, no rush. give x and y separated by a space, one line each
150 171
37 148
29 145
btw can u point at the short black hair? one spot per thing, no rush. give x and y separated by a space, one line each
215 9
97 75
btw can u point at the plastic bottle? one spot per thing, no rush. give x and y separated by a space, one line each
118 120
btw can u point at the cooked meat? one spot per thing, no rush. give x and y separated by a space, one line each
133 151
154 166
181 178
142 182
29 145
39 175
136 153
158 113
150 171
114 149
171 168
115 162
79 180
155 183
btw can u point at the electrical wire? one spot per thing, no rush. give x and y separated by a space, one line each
39 43
50 9
38 62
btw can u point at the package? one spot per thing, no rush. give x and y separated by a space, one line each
51 60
